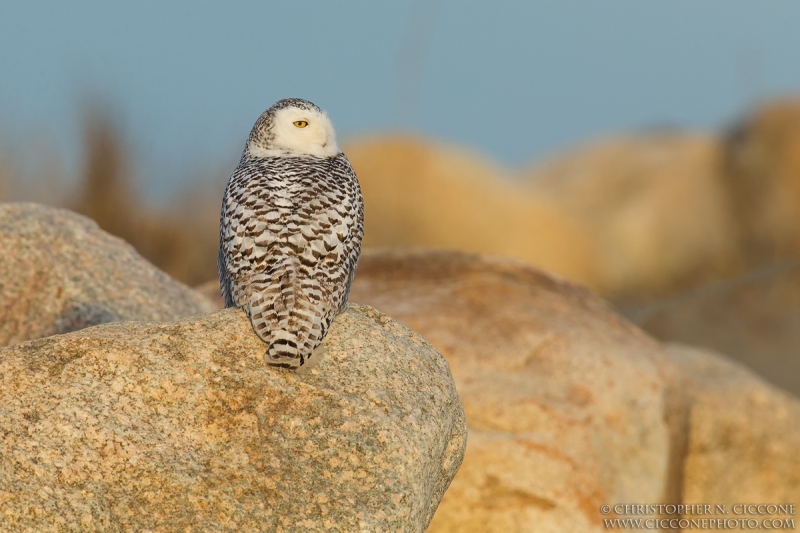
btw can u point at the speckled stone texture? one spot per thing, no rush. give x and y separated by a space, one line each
182 428
569 406
59 272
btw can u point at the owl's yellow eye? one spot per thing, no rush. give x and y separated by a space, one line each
300 123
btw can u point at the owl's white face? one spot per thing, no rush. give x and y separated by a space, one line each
299 131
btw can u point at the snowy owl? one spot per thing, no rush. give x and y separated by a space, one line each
290 231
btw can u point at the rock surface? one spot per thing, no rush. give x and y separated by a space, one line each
743 437
754 319
762 181
181 427
60 273
654 207
569 406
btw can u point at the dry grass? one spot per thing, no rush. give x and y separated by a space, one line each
181 238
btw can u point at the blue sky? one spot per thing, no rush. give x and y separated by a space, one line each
515 80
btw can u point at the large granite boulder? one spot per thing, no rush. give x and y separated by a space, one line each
59 272
569 406
181 427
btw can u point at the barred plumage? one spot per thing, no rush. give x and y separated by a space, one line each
290 232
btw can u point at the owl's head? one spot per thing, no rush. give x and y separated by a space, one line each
292 127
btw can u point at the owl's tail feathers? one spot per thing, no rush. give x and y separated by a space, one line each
283 351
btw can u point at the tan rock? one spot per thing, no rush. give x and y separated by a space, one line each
762 181
569 406
60 273
743 436
181 427
654 208
754 319
422 194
